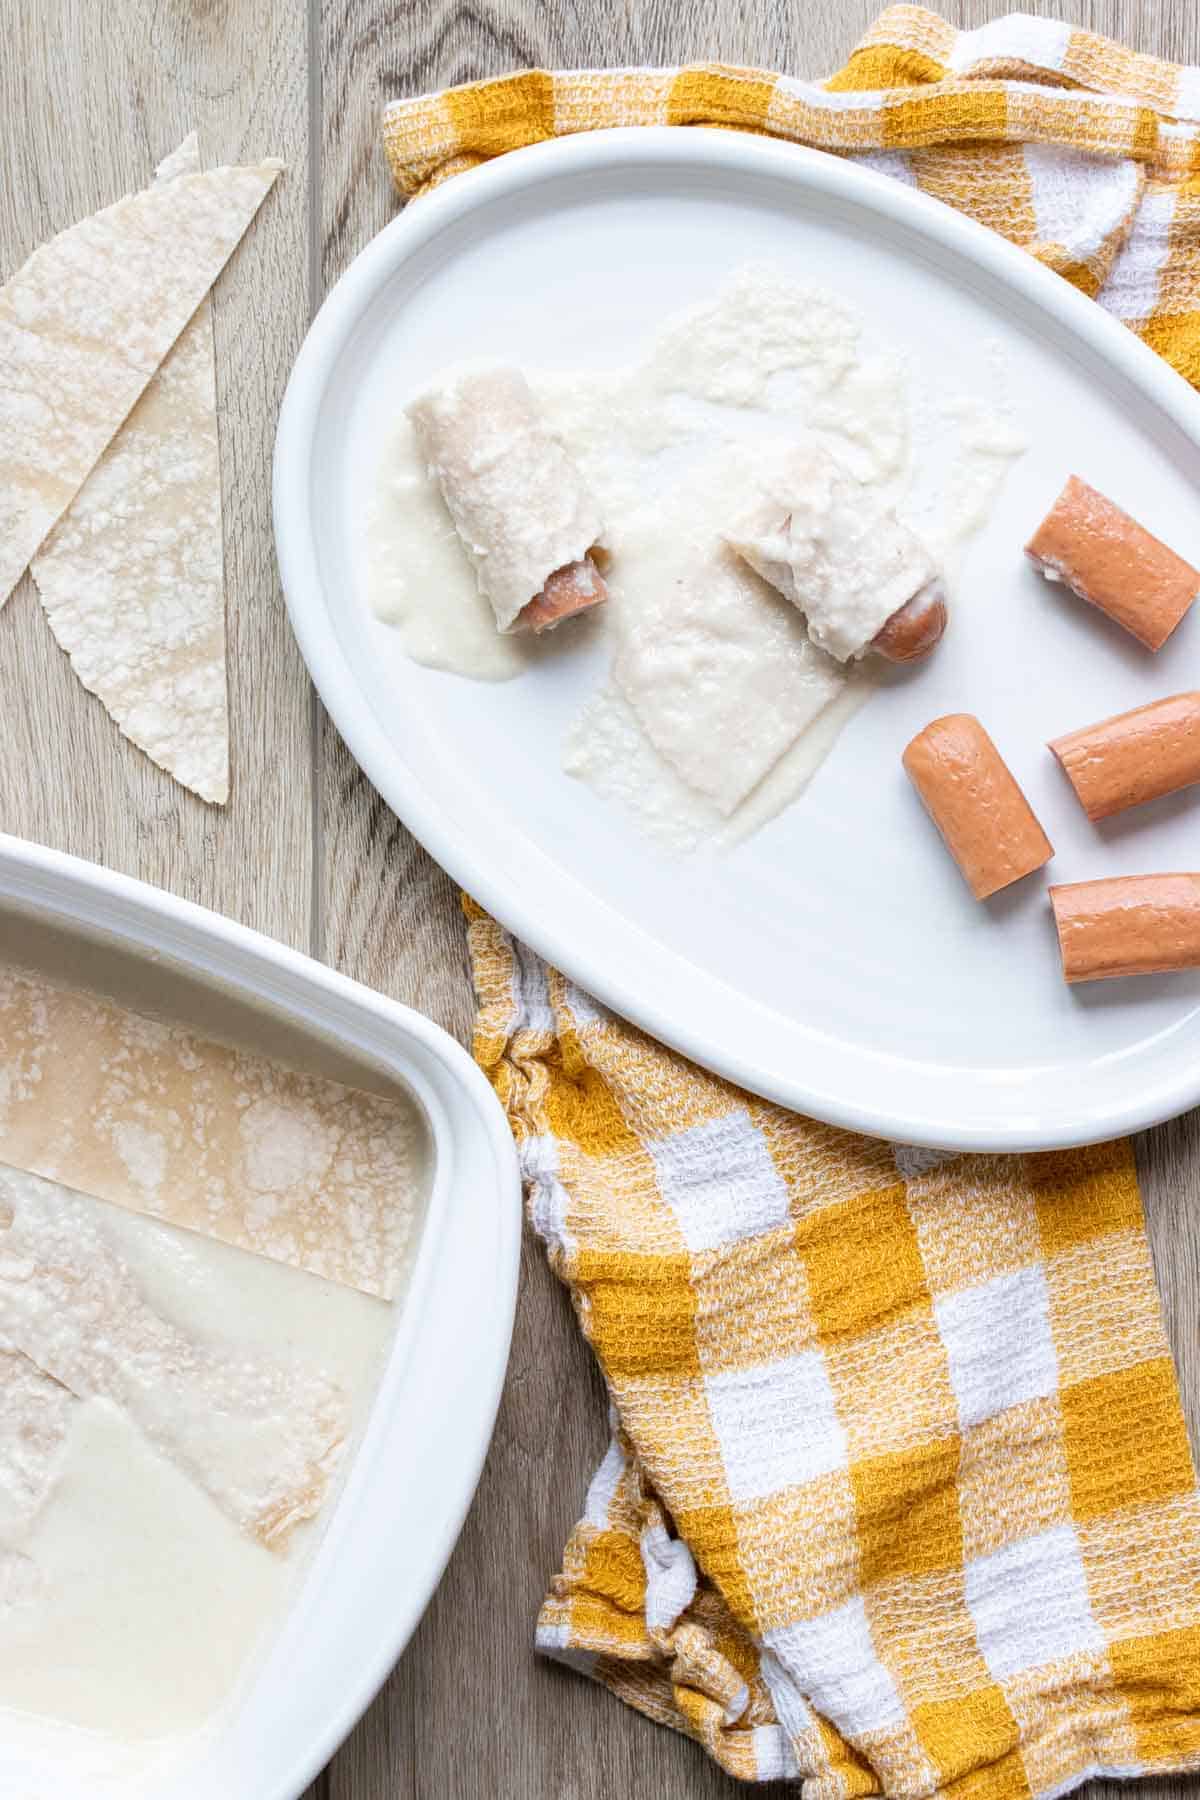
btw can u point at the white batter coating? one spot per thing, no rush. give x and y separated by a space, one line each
35 1411
607 748
517 499
830 546
717 708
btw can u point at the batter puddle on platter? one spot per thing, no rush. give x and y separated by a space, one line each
717 709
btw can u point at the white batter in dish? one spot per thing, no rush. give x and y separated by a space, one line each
717 709
174 1415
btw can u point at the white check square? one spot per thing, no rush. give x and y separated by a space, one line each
1042 43
720 1182
777 1425
1030 1604
999 1344
832 1660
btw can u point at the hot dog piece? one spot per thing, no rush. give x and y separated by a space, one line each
521 508
1128 925
1135 757
1108 558
913 631
861 578
568 591
970 794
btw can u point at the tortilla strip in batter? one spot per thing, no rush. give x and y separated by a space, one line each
153 1118
261 1437
718 668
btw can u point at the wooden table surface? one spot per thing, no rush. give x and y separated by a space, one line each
90 99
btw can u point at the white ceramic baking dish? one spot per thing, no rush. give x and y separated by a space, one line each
411 1479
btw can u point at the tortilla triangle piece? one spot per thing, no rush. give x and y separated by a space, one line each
132 576
85 324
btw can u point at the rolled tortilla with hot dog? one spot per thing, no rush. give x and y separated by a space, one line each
861 578
1134 757
969 792
1107 558
524 514
1128 925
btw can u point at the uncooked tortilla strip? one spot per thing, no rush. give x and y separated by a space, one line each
261 1437
149 1117
132 576
35 1412
86 323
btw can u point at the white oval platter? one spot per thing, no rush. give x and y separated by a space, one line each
834 961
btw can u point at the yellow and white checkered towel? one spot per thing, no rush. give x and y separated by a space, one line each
1072 146
899 1499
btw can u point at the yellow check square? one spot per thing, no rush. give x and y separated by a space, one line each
972 1742
863 1262
1084 1194
1159 1680
907 1505
639 1312
1125 1440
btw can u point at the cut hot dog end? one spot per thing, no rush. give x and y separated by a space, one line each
1128 925
916 628
1110 560
568 592
1135 757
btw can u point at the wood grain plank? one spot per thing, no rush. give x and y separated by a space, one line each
86 110
470 1709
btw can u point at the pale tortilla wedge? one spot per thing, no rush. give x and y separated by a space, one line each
132 576
87 322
